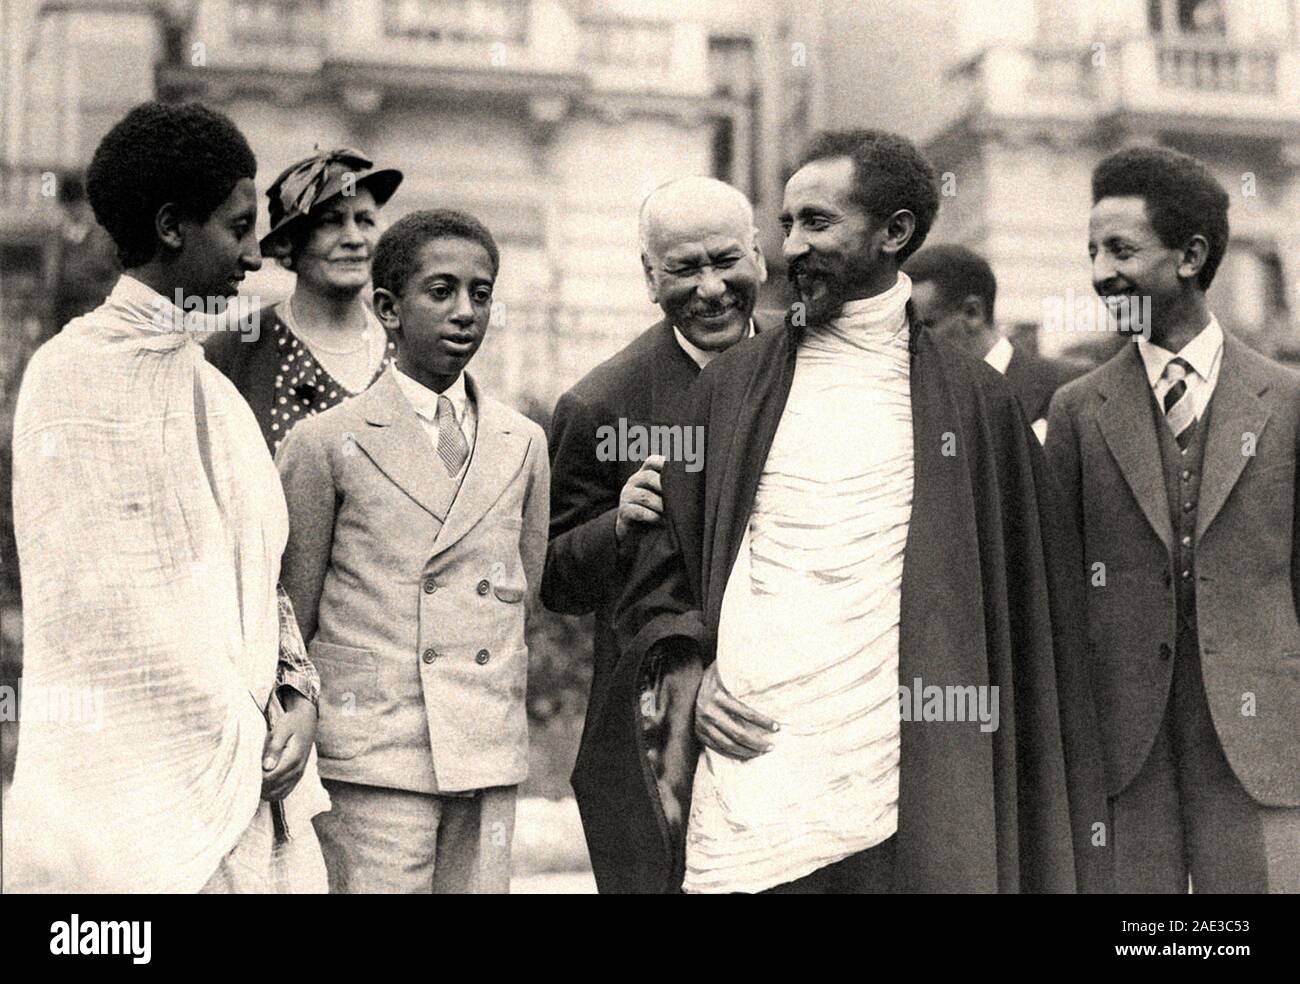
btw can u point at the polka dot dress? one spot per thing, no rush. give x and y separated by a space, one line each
303 387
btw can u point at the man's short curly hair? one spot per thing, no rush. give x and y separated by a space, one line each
957 273
1183 198
889 174
398 252
186 154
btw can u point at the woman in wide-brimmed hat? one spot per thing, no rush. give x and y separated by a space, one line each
323 344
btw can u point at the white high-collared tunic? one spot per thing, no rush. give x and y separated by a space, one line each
809 623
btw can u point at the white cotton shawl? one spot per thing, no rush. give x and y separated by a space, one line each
150 523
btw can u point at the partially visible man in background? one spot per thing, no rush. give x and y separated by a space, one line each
953 288
85 265
703 267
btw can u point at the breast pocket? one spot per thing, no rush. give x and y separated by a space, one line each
505 571
347 698
508 582
1277 475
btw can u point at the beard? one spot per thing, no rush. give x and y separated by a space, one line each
821 291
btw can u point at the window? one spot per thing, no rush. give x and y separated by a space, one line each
1250 288
733 77
275 22
629 44
1196 18
731 66
724 149
1201 17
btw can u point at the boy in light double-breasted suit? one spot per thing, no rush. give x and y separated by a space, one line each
418 519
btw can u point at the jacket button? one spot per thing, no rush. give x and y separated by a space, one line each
483 586
1187 474
1165 651
1188 506
1187 541
430 585
482 657
429 656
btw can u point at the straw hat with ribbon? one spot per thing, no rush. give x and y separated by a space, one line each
310 183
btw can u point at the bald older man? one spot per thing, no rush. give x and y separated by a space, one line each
610 435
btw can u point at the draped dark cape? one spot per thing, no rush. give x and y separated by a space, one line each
991 596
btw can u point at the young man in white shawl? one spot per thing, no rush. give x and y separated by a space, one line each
150 523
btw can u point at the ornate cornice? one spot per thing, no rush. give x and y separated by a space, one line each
544 99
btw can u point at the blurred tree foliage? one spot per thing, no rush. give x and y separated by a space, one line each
20 339
559 679
559 646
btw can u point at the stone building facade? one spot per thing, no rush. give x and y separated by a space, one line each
550 119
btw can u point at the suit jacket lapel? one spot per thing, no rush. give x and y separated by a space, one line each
669 386
1238 411
392 430
1129 430
765 398
498 454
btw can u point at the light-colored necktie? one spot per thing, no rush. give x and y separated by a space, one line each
1177 401
453 449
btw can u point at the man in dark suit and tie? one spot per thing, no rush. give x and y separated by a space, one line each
1178 461
703 267
953 289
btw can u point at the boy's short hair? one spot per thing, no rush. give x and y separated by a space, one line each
889 174
956 272
399 247
1182 196
186 154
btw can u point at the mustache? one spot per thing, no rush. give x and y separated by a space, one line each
708 311
807 268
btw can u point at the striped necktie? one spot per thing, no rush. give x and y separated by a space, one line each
1172 392
453 449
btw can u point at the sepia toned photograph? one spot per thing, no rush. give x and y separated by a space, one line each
651 447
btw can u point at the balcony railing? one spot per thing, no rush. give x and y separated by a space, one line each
409 40
457 20
630 44
288 23
1249 85
1063 72
1217 69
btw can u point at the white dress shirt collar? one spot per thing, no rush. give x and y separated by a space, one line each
1202 353
698 355
425 400
999 356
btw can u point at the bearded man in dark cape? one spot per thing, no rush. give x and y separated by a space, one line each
869 564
